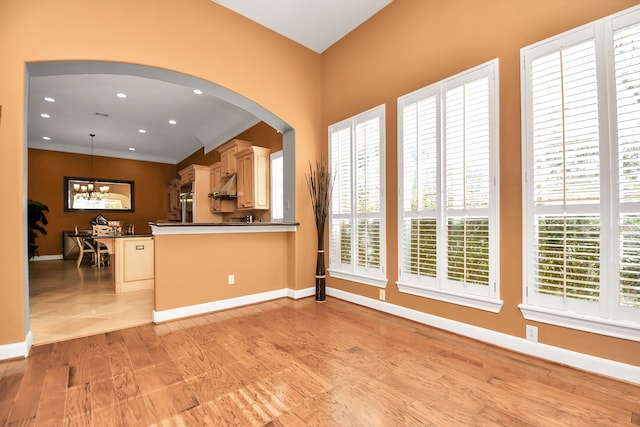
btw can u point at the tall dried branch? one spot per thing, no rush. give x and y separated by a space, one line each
320 184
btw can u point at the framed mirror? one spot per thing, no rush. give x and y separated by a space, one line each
97 195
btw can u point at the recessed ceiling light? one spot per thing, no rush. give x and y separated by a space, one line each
49 99
172 122
142 131
45 115
46 138
121 95
197 91
132 149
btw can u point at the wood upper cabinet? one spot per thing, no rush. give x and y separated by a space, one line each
173 200
219 205
253 178
228 150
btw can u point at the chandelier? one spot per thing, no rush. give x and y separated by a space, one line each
91 191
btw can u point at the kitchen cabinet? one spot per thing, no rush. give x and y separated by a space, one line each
253 178
187 175
200 187
228 150
173 200
219 205
135 258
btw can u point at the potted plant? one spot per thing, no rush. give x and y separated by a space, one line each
320 185
36 220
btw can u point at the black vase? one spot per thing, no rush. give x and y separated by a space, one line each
321 276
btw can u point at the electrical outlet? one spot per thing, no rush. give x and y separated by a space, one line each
383 294
231 279
532 333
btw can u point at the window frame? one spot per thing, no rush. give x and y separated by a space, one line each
606 316
483 297
352 271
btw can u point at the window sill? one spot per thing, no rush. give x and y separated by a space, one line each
467 300
612 328
352 277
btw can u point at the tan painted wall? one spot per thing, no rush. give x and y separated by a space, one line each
369 67
47 170
413 43
195 37
199 266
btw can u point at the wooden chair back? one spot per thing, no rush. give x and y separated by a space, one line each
102 230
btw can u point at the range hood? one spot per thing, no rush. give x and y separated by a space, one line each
228 190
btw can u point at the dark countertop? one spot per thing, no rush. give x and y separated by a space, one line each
221 224
89 235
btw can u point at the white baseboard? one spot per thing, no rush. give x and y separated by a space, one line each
194 310
46 257
301 293
19 349
582 361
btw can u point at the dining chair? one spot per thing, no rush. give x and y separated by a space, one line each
102 253
84 247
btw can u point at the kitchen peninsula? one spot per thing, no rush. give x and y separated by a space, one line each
201 268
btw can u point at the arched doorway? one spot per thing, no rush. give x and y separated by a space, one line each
125 69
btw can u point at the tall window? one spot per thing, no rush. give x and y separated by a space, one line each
448 173
357 219
581 188
277 187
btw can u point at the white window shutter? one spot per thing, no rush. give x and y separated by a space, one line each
627 67
448 210
581 177
356 150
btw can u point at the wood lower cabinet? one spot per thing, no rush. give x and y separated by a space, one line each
253 178
219 205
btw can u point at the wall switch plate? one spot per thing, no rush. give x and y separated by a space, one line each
231 279
382 295
532 333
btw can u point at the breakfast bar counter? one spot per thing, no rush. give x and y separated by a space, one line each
169 227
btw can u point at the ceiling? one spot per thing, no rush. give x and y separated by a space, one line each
316 24
88 103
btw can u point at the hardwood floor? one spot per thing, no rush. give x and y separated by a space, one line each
69 302
299 363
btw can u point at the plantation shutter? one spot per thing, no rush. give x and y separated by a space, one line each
581 180
566 172
627 67
368 194
357 213
467 148
448 202
419 188
277 187
340 146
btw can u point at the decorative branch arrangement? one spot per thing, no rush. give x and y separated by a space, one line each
320 184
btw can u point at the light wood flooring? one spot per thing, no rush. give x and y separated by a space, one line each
300 363
68 302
